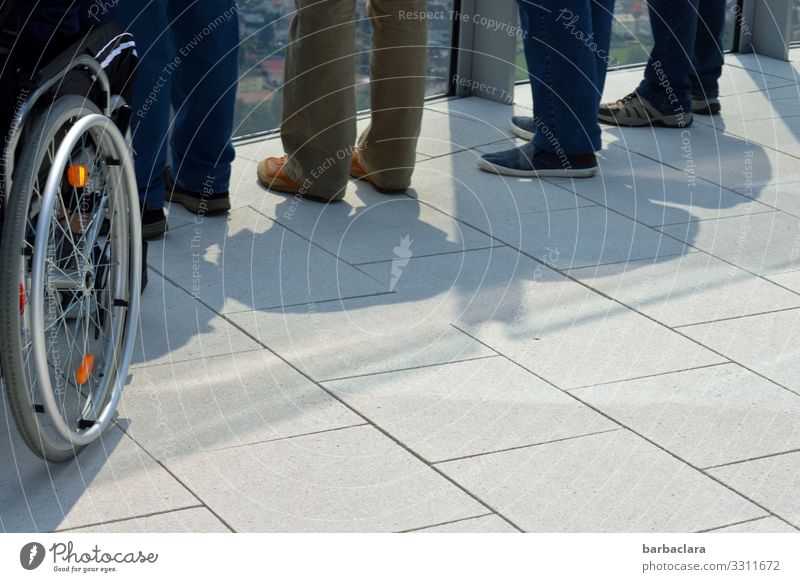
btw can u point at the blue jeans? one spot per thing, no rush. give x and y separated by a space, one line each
566 46
188 64
687 55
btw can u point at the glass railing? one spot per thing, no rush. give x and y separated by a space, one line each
631 36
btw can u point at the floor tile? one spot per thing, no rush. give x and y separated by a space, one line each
706 417
359 336
109 480
764 244
367 226
738 79
174 327
690 289
764 525
495 116
613 482
782 196
250 262
457 187
759 65
586 236
571 336
225 401
790 280
486 524
773 482
654 194
468 408
448 284
195 520
717 157
768 344
779 133
353 480
772 103
444 134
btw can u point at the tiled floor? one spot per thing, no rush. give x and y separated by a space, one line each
480 355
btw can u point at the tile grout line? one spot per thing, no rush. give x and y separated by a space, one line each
647 376
420 367
274 308
735 317
653 443
452 521
443 254
285 438
132 518
528 446
713 529
769 210
756 458
149 366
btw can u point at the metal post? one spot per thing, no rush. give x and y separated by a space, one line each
487 49
772 28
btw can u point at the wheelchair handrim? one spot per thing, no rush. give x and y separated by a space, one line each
132 274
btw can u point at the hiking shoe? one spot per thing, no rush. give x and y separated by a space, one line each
522 127
359 172
703 106
530 162
154 223
197 202
636 111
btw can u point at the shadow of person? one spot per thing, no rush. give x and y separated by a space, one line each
377 283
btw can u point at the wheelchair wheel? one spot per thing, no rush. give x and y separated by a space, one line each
70 272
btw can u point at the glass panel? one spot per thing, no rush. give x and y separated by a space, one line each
264 30
796 21
631 36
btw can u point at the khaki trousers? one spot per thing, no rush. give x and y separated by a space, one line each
319 103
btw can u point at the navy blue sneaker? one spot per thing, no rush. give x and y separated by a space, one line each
530 162
522 126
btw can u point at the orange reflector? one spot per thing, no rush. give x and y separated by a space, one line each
85 370
78 175
21 298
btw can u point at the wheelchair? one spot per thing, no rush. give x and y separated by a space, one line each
70 251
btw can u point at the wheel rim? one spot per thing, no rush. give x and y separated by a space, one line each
78 315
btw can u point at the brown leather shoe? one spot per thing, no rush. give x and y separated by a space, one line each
358 172
272 175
